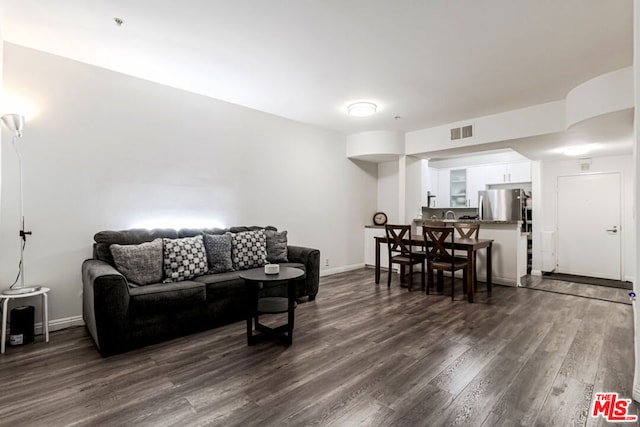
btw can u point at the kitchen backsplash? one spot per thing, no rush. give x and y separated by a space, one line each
439 213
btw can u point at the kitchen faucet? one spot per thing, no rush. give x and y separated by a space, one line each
446 214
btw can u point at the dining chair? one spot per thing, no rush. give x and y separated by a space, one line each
401 252
469 230
440 255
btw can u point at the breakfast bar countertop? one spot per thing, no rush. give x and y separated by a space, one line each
481 221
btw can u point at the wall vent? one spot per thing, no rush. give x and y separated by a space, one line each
462 132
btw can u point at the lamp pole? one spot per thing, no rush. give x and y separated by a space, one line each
15 123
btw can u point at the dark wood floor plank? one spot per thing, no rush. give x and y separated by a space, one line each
362 354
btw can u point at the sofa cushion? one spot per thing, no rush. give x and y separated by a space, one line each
169 297
276 246
104 239
249 249
295 265
192 232
184 258
223 285
140 264
218 249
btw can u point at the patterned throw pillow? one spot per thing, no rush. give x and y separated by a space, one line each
249 249
140 264
184 259
276 246
218 252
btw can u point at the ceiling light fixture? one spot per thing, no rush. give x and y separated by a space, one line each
362 109
576 150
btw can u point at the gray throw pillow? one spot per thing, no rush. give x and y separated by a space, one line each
140 264
276 246
218 249
184 259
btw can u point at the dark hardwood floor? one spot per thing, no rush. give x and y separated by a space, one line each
361 354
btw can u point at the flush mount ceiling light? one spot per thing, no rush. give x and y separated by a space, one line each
579 150
362 109
576 150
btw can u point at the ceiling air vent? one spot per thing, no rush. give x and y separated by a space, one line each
462 132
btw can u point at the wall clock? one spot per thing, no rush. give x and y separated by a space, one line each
380 218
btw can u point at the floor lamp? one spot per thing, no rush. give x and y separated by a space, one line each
15 123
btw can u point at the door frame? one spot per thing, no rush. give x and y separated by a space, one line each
620 214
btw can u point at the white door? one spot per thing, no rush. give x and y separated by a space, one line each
589 238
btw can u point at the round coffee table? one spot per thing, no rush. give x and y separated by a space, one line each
270 305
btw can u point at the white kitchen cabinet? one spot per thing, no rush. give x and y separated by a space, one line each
370 233
519 172
444 188
475 182
505 173
494 174
458 188
430 185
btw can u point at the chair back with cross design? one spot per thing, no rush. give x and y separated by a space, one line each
401 252
436 237
398 239
467 230
440 254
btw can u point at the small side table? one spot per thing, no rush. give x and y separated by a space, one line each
45 312
270 305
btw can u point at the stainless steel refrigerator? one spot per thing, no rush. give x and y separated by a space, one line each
501 205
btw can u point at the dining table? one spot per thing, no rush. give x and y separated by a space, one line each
470 246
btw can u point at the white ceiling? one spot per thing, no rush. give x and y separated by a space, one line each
430 62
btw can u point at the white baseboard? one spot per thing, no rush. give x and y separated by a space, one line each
330 271
536 272
58 324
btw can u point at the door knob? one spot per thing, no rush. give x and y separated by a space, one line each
613 230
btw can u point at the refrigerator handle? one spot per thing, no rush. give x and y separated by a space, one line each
480 205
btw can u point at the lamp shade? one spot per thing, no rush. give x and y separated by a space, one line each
14 122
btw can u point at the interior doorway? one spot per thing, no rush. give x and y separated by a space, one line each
589 224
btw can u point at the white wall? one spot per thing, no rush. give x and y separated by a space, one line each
413 189
535 120
108 151
388 185
636 167
550 171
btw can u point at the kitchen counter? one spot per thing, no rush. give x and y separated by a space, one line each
466 221
509 247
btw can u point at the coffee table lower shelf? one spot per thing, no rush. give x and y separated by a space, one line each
256 279
272 305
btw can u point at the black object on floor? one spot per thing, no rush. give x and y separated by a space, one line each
22 321
589 280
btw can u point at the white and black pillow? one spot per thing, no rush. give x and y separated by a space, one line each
184 258
140 264
218 252
248 249
276 246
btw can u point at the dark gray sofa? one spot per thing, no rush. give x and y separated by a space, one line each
120 317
